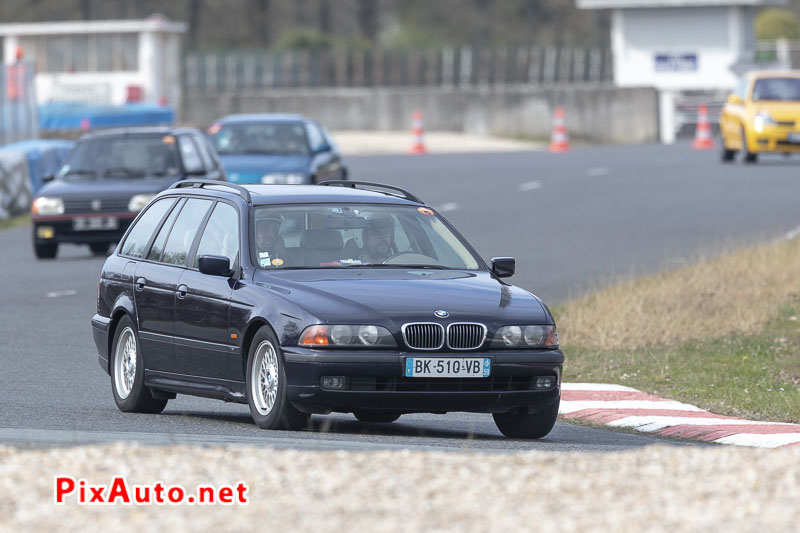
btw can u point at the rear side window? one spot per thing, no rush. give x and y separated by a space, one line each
183 231
136 243
221 236
158 245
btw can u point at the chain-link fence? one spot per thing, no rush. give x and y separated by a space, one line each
236 72
18 113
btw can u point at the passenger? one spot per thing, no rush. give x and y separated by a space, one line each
378 239
269 244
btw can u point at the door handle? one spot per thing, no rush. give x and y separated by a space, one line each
140 283
182 290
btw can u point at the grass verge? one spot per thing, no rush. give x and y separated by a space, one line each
15 221
723 334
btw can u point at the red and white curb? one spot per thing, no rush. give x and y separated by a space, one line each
625 407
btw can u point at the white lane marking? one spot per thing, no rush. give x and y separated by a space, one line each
759 440
792 235
529 186
570 407
449 206
58 294
597 387
597 171
655 423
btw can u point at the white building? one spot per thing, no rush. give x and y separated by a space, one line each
681 45
107 62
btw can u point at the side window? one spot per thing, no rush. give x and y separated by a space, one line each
741 89
183 231
221 235
158 245
202 147
315 139
190 155
140 234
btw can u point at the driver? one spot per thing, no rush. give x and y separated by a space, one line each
378 239
271 250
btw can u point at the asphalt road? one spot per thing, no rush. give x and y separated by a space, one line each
571 220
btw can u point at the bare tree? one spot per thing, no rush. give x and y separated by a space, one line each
368 19
325 25
195 7
86 9
263 22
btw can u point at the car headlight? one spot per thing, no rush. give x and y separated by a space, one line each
138 202
763 118
526 337
279 178
47 205
346 336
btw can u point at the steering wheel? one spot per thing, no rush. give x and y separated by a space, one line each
401 258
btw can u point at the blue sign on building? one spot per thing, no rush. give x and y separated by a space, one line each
676 62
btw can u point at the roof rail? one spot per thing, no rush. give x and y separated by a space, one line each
198 184
366 185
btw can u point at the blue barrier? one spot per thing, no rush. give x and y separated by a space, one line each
64 116
44 157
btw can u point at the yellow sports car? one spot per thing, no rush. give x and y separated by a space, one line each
762 115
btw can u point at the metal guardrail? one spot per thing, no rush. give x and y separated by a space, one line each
235 72
19 119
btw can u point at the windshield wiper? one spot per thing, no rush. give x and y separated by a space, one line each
390 265
124 170
80 172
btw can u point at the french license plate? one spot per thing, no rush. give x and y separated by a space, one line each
448 367
794 137
94 223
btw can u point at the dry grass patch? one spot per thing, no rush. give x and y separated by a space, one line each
737 293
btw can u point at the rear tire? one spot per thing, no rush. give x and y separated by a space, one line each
99 248
376 416
266 385
45 250
127 373
521 425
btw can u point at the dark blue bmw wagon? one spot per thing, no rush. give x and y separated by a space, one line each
340 297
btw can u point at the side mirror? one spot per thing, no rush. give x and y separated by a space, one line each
733 98
48 178
214 265
322 148
503 267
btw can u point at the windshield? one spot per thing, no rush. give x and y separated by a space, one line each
122 157
282 138
356 236
781 89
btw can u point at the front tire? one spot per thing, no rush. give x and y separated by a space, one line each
521 425
266 385
127 373
99 248
45 250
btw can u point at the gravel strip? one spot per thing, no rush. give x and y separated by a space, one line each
657 488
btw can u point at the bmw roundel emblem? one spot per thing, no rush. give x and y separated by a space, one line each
441 313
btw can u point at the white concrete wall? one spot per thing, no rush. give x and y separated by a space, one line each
717 36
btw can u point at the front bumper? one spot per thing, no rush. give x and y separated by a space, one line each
375 381
774 139
100 332
58 229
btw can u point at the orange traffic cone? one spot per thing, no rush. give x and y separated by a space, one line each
416 129
559 140
702 136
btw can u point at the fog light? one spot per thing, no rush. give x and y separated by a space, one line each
45 232
333 382
545 382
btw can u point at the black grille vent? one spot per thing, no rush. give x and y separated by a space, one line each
424 336
402 384
465 336
107 205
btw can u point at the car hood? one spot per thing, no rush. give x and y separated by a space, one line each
393 297
780 111
248 168
105 188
